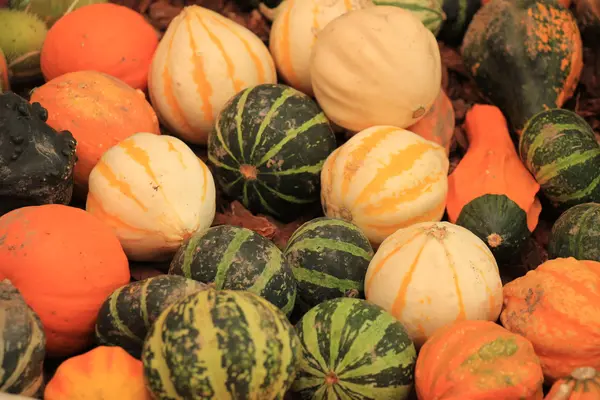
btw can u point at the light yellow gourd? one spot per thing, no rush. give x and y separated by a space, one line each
202 61
294 32
375 66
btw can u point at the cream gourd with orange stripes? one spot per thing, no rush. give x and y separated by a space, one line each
432 274
202 61
154 192
294 32
383 179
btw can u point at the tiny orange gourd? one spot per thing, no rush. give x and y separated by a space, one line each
582 384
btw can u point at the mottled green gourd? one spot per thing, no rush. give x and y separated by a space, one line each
329 258
51 10
576 233
230 257
221 345
429 12
128 313
21 41
352 349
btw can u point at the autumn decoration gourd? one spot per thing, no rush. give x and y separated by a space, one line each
582 384
560 149
478 360
154 192
380 88
383 179
534 42
22 345
429 12
50 10
467 283
202 61
36 162
65 262
99 110
574 233
268 147
106 372
490 192
23 35
555 306
4 82
438 124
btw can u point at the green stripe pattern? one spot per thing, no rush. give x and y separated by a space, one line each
268 148
560 149
329 258
22 345
353 350
576 233
429 12
221 345
230 257
126 315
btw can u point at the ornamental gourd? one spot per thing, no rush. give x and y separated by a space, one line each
4 83
383 179
375 66
467 283
582 384
575 233
202 61
439 122
555 306
154 192
429 12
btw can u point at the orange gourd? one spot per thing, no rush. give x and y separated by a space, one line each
582 384
99 110
4 83
438 124
102 37
491 166
557 307
478 360
65 262
564 3
104 373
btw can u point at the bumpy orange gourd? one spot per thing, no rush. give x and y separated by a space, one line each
65 262
478 360
99 110
557 307
102 37
438 124
491 166
104 373
582 384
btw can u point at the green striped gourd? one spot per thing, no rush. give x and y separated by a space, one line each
430 12
22 345
560 149
352 349
127 314
268 147
575 233
230 257
221 345
329 258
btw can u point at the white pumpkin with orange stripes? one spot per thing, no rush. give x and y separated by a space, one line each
202 61
294 32
154 192
432 274
383 179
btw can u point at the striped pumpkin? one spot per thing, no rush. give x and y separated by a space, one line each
222 345
432 274
203 60
128 313
22 345
352 349
329 258
383 179
429 12
268 149
560 149
154 192
575 233
229 257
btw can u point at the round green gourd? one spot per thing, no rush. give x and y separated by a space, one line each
127 314
429 12
499 222
230 257
268 148
221 345
575 233
353 349
560 149
329 258
21 41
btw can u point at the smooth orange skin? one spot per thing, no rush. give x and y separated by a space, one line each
443 373
65 262
102 37
99 110
104 373
438 124
557 307
585 389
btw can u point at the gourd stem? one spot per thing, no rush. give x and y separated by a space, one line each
584 373
487 127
